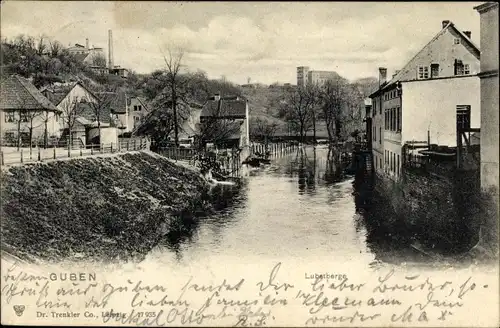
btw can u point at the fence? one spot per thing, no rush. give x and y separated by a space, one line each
226 162
11 155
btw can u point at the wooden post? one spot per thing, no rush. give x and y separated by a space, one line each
81 151
111 148
54 151
135 144
128 142
21 155
39 155
91 149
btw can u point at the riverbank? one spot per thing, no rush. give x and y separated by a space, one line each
108 208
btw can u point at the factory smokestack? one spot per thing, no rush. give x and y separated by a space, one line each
110 50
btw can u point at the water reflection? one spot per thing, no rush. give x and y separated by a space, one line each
301 205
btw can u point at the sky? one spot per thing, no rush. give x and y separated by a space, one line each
263 41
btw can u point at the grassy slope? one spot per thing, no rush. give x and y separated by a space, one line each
111 207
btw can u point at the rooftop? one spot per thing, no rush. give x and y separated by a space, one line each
18 93
225 107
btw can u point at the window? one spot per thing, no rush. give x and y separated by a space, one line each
380 135
423 72
374 133
9 117
463 116
23 117
398 127
456 41
390 119
460 67
135 108
10 136
466 69
434 70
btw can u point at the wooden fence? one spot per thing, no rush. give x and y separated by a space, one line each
12 155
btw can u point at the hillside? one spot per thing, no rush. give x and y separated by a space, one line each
104 207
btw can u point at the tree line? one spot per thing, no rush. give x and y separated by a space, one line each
337 104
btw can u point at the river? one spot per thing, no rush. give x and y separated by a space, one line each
300 206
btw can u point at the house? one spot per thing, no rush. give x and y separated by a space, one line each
225 120
437 90
93 56
489 96
306 76
76 98
128 111
24 107
119 71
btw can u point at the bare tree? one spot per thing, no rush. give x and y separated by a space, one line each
71 110
41 45
99 60
262 128
101 105
296 109
332 102
173 66
55 48
218 128
30 117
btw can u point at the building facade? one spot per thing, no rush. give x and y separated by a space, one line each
302 76
320 77
23 108
306 76
421 101
88 55
232 113
489 96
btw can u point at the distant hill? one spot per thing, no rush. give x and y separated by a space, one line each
366 85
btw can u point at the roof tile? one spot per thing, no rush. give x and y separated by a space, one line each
17 93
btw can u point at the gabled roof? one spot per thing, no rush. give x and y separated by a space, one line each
57 93
397 77
226 107
17 93
119 104
87 112
142 101
486 7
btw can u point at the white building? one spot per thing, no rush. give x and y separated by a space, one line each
426 98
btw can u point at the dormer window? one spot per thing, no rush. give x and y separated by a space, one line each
423 72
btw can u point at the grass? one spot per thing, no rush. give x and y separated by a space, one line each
106 208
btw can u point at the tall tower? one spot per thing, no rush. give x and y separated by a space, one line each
302 73
110 50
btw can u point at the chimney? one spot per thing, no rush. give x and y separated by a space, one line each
87 43
110 50
217 96
467 34
444 23
382 76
